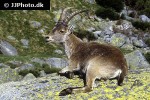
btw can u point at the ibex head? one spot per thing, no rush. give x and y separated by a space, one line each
61 28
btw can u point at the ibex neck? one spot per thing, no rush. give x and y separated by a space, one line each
71 42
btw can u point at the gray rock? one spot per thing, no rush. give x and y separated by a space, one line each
146 36
41 31
97 19
124 25
29 76
35 24
97 33
25 11
38 60
126 11
144 18
58 52
29 89
129 18
57 62
17 63
26 67
25 42
7 49
91 29
90 1
52 62
107 39
108 32
42 73
127 47
8 75
118 39
2 65
11 38
139 43
136 60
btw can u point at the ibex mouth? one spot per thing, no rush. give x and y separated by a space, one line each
47 41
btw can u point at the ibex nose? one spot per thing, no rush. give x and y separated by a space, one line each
48 39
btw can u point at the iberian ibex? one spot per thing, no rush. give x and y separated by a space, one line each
91 59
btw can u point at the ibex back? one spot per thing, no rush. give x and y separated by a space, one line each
92 60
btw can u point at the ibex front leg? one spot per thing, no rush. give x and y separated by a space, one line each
88 86
70 70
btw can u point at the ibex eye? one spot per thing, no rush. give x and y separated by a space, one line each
62 31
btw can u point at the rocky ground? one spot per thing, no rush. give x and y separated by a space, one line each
136 87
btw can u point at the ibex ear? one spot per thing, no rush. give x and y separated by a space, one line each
70 30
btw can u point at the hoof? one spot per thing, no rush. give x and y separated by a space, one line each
121 84
65 92
67 74
70 75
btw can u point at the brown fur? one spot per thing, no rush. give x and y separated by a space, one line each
91 59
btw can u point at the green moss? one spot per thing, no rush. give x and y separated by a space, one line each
25 58
147 56
36 71
16 23
115 4
124 51
148 42
141 25
84 34
141 6
146 12
24 72
49 70
12 65
107 13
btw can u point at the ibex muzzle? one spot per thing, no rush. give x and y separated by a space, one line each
90 59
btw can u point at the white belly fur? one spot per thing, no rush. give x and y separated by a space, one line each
117 73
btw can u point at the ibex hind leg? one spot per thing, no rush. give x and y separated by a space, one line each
87 88
120 79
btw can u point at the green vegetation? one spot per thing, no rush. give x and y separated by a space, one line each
148 42
142 6
117 5
25 58
16 24
141 25
147 56
36 72
124 51
107 13
109 9
85 34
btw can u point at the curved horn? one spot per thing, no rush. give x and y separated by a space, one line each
74 14
62 15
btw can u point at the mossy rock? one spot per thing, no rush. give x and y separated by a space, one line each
135 87
8 75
